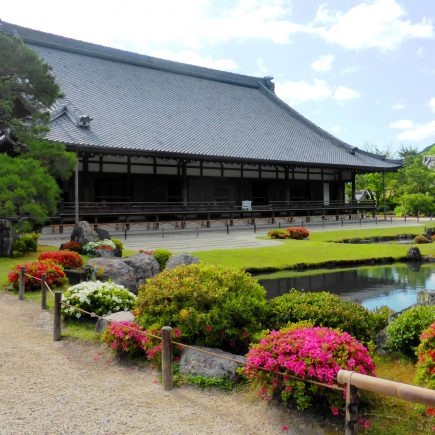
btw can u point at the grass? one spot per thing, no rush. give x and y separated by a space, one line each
389 415
290 254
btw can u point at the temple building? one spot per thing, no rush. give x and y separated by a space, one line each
158 139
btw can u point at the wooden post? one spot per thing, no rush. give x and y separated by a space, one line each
76 192
57 318
22 283
351 422
43 292
167 358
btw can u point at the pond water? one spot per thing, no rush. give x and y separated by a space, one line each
394 285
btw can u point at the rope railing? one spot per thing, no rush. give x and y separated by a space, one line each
352 381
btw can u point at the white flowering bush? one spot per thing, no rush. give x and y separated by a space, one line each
97 297
92 247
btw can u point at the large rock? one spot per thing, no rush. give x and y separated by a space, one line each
6 238
181 260
144 266
426 297
130 272
84 233
121 316
103 234
194 362
414 254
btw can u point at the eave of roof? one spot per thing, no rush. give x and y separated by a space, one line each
368 161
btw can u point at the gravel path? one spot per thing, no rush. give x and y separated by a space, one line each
70 387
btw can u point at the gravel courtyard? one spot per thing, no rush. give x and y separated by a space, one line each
71 387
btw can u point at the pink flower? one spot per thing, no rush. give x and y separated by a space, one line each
284 428
208 328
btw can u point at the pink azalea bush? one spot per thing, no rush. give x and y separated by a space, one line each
129 338
307 353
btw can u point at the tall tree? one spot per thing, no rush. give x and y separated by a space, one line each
29 163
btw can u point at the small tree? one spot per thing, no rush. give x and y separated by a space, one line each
26 190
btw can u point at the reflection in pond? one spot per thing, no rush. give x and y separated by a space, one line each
394 285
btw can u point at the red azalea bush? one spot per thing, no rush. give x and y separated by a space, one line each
426 361
298 233
71 246
122 338
55 276
64 258
307 353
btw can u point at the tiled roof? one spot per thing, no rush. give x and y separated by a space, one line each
149 105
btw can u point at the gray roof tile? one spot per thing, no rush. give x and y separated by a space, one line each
145 104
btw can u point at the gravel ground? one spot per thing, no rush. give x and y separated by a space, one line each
71 387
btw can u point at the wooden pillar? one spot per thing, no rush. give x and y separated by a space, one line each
383 194
76 193
353 187
184 187
167 358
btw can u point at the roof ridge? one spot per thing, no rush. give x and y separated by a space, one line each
123 56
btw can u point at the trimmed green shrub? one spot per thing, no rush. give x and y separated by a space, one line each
211 305
325 309
118 243
97 297
415 204
27 242
278 234
403 333
420 239
162 256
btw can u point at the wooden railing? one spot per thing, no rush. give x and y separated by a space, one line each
355 381
205 206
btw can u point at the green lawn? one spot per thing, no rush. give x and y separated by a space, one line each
288 254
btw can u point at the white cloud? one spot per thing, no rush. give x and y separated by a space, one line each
319 90
194 58
343 93
432 104
379 24
420 51
352 69
403 124
323 63
419 132
399 105
335 129
141 25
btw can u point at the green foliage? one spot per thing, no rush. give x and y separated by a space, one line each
404 332
415 204
426 358
325 309
58 162
27 242
211 305
162 256
118 243
204 382
26 189
421 238
97 297
278 234
25 81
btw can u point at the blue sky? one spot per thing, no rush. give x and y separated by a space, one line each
362 70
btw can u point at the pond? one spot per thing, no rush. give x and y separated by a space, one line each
393 285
